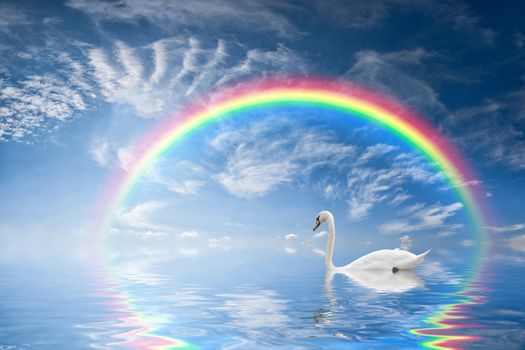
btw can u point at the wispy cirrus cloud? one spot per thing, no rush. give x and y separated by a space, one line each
183 177
182 67
151 79
291 236
253 16
507 228
517 243
367 186
362 15
494 128
141 216
354 14
222 243
257 161
101 152
11 16
423 217
392 73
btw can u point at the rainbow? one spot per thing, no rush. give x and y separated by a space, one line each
349 99
447 322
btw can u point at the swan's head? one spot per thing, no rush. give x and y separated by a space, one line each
322 217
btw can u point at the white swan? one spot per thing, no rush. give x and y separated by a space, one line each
384 259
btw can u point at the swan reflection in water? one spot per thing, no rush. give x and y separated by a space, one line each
379 280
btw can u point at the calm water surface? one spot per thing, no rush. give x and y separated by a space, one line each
247 303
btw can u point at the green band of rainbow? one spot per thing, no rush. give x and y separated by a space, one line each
332 95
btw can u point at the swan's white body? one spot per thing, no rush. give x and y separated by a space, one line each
384 259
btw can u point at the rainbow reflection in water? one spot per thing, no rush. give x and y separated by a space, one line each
451 321
143 329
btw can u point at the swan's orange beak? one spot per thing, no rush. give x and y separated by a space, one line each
317 223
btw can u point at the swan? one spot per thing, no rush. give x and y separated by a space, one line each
385 259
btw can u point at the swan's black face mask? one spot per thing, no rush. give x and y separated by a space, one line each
317 223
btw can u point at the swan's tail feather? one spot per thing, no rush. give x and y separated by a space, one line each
417 260
422 255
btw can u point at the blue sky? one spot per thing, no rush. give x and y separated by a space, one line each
81 81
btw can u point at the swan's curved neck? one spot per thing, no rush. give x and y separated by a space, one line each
330 245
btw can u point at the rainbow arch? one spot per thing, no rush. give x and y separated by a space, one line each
330 94
335 95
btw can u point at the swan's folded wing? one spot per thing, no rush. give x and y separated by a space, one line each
386 259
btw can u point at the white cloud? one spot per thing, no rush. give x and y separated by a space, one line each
11 16
140 216
494 129
454 15
387 72
77 74
125 157
160 58
183 68
400 198
265 63
291 236
329 191
436 271
319 251
290 250
507 228
517 243
444 234
468 242
188 234
368 186
37 103
132 66
354 14
207 71
376 151
320 234
463 20
188 252
147 234
257 161
184 177
101 152
423 217
251 15
104 73
405 242
246 176
223 243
